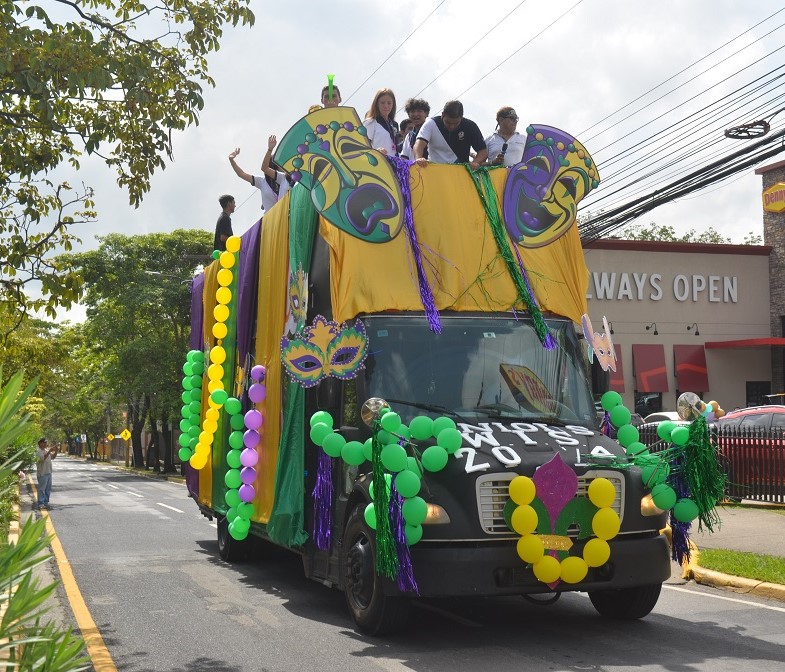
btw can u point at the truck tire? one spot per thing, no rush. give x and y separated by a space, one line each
230 549
374 612
626 604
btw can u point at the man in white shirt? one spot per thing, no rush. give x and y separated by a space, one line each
272 184
505 145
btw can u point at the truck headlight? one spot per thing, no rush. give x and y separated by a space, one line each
648 507
436 515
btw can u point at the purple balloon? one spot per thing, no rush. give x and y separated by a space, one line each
257 393
258 373
248 475
253 419
247 493
251 438
249 457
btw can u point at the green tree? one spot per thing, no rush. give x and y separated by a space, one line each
106 77
658 232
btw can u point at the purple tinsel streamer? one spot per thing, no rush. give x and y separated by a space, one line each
323 502
680 532
401 168
405 579
550 342
605 425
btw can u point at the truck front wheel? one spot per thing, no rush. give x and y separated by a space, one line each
230 549
374 612
626 603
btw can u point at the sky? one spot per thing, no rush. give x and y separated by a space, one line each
589 67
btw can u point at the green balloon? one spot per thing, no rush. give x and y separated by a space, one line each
245 510
322 417
219 397
186 396
685 510
239 528
198 367
233 459
184 454
414 511
195 407
196 381
352 453
370 516
193 442
610 400
384 437
198 356
189 356
368 449
450 439
413 534
237 421
665 428
231 514
185 411
627 435
664 496
680 436
405 432
242 525
421 427
194 431
394 457
620 415
232 478
232 498
185 423
184 439
233 406
187 385
333 444
637 448
196 393
319 432
655 473
407 483
413 466
236 439
442 423
188 369
387 480
434 458
391 421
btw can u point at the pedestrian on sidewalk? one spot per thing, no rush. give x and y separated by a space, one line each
44 472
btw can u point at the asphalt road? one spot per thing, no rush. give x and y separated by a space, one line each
147 565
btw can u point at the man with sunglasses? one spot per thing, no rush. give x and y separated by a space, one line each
505 145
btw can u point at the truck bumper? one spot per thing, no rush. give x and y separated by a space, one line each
485 569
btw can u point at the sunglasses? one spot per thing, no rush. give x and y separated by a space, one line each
509 116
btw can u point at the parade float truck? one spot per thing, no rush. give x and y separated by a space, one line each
417 326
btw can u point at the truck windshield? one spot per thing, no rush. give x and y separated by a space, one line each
477 368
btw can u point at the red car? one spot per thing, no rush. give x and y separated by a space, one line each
752 442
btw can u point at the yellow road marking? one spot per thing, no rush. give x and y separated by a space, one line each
96 648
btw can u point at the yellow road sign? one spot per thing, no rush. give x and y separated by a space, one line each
110 437
125 435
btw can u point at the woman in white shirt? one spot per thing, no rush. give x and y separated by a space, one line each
380 122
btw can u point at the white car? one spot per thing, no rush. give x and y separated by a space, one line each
662 416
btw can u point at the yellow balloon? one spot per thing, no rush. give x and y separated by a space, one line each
206 438
530 548
233 244
573 569
202 449
605 524
601 492
198 461
215 372
596 552
210 425
212 386
522 490
546 569
714 405
224 277
524 520
220 330
218 355
212 414
223 295
221 313
226 259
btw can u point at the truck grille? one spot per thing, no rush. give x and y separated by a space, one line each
493 493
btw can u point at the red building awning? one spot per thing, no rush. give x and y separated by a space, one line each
648 364
689 362
617 377
746 343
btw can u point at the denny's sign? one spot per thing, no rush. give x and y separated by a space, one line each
774 198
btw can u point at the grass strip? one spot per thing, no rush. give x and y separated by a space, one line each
748 565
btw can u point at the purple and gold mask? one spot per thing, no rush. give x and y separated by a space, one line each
542 192
599 343
351 184
325 349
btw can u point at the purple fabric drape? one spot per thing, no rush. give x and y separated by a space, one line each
197 313
247 286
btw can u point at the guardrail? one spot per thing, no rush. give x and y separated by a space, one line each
754 460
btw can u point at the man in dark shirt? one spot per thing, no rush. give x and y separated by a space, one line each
223 228
450 136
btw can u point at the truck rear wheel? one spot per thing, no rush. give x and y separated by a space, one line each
374 612
626 603
230 549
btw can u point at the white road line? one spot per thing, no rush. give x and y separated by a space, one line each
116 487
215 525
727 599
166 506
447 614
131 492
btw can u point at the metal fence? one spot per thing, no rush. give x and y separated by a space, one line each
754 460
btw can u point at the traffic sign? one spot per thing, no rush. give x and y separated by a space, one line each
110 437
125 434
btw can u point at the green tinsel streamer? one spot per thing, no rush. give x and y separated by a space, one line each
703 474
386 555
484 186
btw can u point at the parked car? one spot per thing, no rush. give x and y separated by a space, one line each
661 416
759 417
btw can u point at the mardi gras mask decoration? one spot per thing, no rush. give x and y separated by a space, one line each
351 184
542 192
298 296
325 349
600 343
